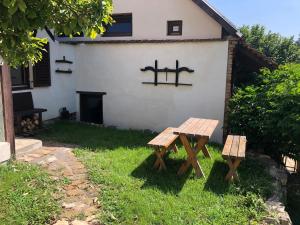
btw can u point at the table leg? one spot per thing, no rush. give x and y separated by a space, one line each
233 165
192 158
206 152
201 145
198 147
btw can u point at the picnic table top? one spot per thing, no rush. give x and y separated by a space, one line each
165 138
197 127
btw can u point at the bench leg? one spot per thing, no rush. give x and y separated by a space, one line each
18 125
159 163
233 165
175 149
40 120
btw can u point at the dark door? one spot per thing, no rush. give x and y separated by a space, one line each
91 108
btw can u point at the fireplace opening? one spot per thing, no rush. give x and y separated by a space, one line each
91 107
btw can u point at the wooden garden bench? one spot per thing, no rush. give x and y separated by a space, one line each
234 152
162 143
23 106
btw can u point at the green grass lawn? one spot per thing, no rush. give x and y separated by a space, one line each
133 193
25 195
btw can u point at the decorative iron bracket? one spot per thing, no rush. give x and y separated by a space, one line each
166 70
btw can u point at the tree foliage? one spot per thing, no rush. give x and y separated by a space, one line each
20 19
269 112
281 49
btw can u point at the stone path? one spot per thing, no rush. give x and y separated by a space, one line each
77 196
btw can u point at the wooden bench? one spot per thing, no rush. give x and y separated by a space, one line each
162 143
23 106
234 152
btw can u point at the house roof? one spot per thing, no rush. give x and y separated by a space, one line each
216 15
259 58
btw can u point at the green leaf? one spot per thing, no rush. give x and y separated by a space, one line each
22 6
12 10
9 3
93 34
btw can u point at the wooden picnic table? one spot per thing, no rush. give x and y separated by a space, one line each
201 130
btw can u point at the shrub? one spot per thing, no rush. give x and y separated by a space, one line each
269 112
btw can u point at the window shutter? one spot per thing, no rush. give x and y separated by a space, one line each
41 70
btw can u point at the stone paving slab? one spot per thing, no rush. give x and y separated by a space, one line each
78 197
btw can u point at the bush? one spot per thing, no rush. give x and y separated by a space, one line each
268 113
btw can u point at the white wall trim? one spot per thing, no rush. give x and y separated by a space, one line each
4 152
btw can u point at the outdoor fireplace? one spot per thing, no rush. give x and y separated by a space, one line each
91 106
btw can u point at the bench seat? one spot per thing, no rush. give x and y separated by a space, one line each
164 139
29 112
234 152
163 143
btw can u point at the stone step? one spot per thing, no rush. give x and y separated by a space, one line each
27 145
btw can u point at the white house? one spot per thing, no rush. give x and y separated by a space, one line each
107 79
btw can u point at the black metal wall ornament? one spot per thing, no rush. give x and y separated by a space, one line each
64 60
63 71
167 70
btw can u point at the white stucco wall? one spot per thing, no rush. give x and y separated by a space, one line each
61 93
149 20
115 69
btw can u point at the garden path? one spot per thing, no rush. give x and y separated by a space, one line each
78 197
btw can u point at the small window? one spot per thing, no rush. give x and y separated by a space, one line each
20 78
122 26
175 27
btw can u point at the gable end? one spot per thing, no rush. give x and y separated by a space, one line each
222 20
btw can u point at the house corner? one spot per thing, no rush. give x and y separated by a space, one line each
232 44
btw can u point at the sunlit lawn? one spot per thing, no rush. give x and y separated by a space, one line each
133 193
26 195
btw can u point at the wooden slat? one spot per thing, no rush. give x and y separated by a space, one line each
42 71
202 127
164 139
209 131
183 126
189 128
227 147
235 146
242 147
197 127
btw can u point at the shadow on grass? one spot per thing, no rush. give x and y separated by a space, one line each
253 179
166 181
215 181
94 138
